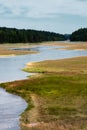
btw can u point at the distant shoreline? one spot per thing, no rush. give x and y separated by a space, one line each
5 50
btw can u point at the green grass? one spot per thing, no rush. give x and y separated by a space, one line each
58 91
62 95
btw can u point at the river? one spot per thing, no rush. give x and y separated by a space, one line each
11 106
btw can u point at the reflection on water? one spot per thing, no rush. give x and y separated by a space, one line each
10 69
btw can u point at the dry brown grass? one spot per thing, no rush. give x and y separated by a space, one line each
76 124
5 49
73 45
79 46
68 45
71 65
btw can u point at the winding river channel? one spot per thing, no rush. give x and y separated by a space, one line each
11 106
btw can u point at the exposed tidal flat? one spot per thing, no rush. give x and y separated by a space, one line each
15 49
26 48
56 96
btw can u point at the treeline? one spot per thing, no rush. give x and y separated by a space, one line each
13 35
79 35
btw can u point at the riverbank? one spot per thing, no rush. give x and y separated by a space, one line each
67 45
9 49
6 49
56 97
74 46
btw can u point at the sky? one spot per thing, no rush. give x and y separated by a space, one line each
60 16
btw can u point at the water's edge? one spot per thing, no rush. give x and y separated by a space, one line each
20 62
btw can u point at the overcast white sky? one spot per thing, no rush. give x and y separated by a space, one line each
61 16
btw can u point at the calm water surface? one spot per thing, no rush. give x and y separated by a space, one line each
12 106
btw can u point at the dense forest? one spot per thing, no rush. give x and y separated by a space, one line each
13 35
79 35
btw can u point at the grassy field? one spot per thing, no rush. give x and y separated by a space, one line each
56 96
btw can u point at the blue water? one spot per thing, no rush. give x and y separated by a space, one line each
11 107
10 69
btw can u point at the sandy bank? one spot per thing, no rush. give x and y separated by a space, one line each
6 56
81 46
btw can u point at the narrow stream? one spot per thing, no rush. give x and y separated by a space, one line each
11 106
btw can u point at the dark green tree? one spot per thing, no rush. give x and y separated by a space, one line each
13 35
79 35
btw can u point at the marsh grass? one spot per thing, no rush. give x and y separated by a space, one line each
5 49
73 65
61 96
